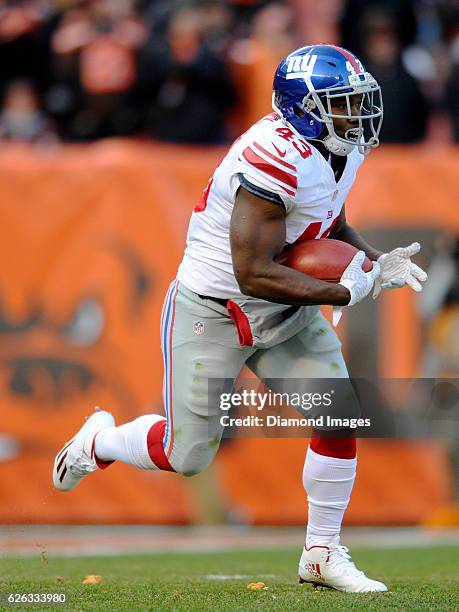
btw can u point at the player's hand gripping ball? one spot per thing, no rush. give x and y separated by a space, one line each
325 259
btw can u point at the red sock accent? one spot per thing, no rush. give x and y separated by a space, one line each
342 448
155 438
102 465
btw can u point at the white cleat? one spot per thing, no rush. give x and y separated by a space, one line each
76 459
332 566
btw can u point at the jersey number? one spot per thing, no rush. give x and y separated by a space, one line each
202 204
313 230
300 145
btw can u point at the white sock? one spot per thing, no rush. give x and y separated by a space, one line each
328 482
128 442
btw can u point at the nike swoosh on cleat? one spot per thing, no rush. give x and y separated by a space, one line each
281 153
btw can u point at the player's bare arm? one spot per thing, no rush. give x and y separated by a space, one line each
345 232
257 237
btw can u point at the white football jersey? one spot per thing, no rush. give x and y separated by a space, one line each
273 161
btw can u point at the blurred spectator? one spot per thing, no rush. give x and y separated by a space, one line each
255 59
245 11
21 119
95 68
452 91
317 21
448 11
218 25
186 82
354 22
406 109
25 30
449 15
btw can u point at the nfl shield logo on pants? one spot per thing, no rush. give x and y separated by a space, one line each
198 327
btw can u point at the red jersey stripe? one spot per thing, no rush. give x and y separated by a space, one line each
273 157
276 173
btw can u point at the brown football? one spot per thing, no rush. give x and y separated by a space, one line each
323 258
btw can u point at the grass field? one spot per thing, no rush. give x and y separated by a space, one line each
419 579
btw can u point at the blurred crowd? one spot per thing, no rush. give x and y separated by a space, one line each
200 71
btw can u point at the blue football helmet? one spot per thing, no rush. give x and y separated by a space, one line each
307 83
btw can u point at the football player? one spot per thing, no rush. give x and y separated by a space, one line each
285 180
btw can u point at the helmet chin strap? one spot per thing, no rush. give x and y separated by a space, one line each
334 144
338 147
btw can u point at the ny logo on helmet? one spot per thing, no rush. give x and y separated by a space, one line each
300 66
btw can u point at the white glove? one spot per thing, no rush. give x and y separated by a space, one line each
357 281
397 270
